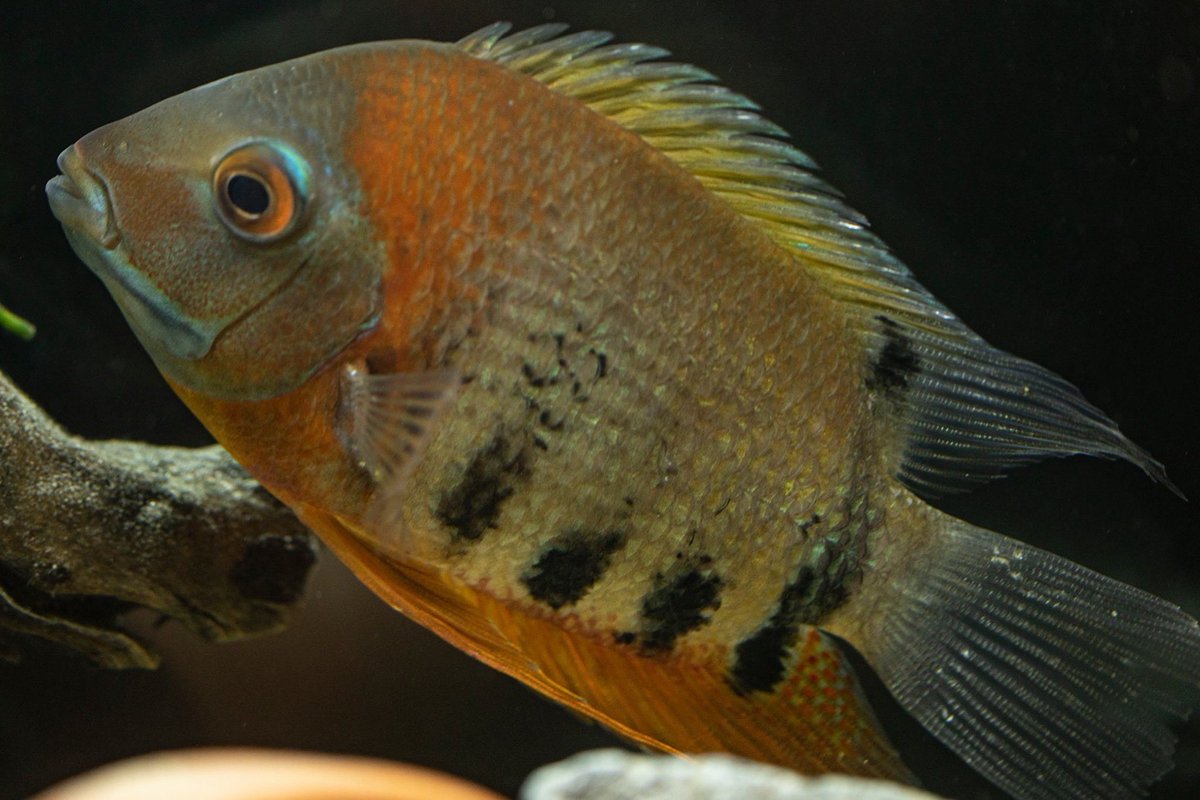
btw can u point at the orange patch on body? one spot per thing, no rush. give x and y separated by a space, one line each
424 200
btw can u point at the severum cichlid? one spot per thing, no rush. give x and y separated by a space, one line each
573 360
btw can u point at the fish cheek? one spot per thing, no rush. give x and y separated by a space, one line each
163 208
329 296
176 275
189 254
160 195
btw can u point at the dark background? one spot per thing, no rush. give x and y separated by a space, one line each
1037 164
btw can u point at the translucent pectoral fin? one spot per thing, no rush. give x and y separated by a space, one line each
391 419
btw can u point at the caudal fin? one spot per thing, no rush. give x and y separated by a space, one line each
1051 680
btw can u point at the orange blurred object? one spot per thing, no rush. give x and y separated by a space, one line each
245 774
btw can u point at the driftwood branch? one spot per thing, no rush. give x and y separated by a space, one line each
92 530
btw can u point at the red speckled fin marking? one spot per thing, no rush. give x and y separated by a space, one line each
817 720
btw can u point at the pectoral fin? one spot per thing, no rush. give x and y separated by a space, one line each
391 419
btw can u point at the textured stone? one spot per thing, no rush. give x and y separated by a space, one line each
621 775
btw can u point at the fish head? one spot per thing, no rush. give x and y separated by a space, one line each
227 225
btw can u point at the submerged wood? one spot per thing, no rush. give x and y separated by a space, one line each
91 530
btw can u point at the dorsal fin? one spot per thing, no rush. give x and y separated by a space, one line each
967 410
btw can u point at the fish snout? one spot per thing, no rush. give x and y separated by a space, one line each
80 200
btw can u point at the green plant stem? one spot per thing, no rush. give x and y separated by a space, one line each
16 325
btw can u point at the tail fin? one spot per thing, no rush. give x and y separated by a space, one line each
1051 680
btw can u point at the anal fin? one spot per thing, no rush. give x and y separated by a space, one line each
817 720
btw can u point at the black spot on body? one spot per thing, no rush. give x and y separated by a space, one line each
601 362
531 377
759 659
570 565
896 362
817 589
273 568
678 604
472 507
550 423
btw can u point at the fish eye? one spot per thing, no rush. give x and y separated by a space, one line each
260 190
248 194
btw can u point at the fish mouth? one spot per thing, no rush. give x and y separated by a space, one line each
80 200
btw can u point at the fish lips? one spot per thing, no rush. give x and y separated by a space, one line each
81 201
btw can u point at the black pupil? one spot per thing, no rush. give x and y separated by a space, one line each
248 194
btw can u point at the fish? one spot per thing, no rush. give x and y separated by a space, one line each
574 359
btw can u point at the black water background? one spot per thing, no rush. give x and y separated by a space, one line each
1037 164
